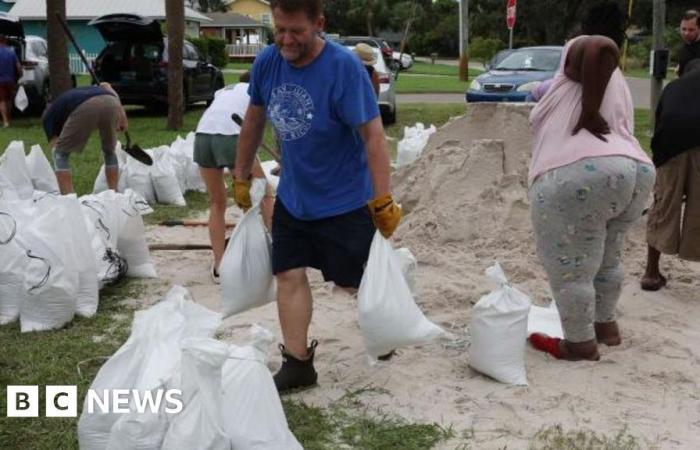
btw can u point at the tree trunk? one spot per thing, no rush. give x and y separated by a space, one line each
175 16
60 80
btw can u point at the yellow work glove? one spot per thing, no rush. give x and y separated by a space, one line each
385 214
241 193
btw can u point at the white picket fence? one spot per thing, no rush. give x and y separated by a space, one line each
76 64
244 50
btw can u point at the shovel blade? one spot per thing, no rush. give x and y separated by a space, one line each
138 154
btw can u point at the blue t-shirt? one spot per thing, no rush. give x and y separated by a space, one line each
316 110
8 63
57 113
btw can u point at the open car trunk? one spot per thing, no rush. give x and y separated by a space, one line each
12 28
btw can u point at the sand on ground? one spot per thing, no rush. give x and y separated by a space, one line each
466 207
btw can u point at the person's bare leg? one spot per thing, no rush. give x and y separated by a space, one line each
216 188
65 181
653 280
5 112
112 175
294 305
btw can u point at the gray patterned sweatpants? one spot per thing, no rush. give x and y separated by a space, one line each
580 214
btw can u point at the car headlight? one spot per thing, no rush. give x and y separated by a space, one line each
527 87
475 85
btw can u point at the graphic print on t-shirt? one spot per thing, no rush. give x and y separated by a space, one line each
291 111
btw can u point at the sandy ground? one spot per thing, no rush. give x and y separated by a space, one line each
467 207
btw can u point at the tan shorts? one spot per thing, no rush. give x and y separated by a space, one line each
101 113
671 228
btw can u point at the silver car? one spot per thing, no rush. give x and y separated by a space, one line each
36 72
387 88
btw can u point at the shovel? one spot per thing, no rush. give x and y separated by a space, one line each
135 151
239 121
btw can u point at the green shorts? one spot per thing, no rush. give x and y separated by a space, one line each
215 151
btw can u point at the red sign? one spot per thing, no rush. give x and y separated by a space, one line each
510 14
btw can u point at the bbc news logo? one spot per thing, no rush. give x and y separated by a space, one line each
62 401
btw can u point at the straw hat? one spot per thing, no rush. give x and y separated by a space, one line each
366 54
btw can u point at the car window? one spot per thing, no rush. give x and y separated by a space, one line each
147 51
190 52
546 60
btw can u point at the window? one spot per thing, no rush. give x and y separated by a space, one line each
266 18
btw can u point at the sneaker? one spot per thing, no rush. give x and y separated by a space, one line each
214 275
296 373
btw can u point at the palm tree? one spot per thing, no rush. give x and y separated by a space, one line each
175 18
60 79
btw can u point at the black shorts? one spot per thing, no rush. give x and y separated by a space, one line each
338 246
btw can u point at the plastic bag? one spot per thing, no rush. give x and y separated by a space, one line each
267 167
545 320
12 268
21 100
408 267
42 175
138 178
148 360
389 317
200 424
164 178
252 411
51 279
101 179
246 267
13 167
499 331
411 146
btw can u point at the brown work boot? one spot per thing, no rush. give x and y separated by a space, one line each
607 333
295 373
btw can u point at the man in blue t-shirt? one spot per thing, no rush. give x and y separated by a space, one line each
10 72
69 121
335 181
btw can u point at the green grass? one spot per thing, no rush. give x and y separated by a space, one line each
349 423
643 72
430 84
424 68
238 66
53 358
642 130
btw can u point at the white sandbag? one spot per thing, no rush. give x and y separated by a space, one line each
200 424
138 178
164 178
545 320
408 267
267 167
87 296
21 99
180 161
51 278
257 190
139 430
414 141
42 175
194 178
389 317
12 267
136 202
148 360
246 267
131 235
498 331
14 168
251 408
7 189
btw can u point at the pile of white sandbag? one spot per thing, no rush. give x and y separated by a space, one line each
228 398
173 173
58 251
414 141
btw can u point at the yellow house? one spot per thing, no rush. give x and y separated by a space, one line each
255 9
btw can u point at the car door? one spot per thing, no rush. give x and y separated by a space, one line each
200 72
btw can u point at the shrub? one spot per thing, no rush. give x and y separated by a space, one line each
485 48
213 48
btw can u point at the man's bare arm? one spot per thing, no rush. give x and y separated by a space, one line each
378 160
249 140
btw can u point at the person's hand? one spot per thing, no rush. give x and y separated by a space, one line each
594 123
386 214
241 193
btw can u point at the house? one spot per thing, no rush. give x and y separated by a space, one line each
255 9
80 12
245 36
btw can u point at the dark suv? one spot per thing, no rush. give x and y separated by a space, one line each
135 63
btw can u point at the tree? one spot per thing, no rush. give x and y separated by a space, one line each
175 17
212 5
60 79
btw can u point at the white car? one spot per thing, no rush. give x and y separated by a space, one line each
387 87
405 59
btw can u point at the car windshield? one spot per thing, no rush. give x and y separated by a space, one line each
545 60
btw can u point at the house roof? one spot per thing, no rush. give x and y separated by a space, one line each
89 9
220 19
261 1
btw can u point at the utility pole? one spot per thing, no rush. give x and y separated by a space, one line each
657 84
464 40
